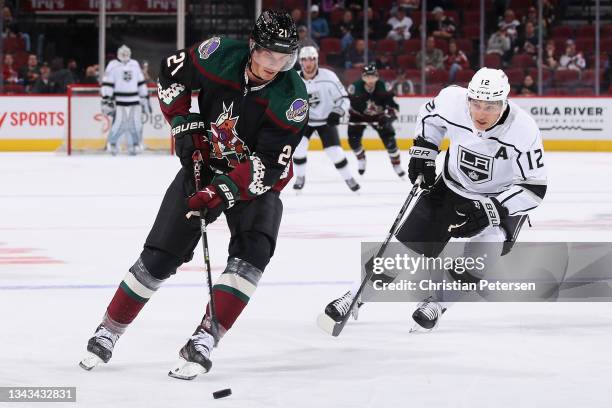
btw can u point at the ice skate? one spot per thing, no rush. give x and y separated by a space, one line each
112 148
352 184
133 150
361 163
335 312
427 315
399 171
194 357
99 348
299 183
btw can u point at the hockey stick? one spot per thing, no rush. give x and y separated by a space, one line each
197 174
329 325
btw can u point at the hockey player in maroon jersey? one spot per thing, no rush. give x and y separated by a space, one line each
253 110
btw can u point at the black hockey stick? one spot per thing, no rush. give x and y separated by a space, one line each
197 174
329 325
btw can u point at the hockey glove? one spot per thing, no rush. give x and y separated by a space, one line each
423 161
108 106
333 119
474 216
189 134
145 105
216 197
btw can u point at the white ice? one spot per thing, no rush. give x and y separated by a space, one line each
71 226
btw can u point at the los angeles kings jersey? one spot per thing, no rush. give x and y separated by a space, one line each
326 94
252 130
505 161
124 83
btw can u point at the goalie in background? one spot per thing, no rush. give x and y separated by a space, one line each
124 98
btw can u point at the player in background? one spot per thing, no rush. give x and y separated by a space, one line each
372 102
253 111
328 103
124 97
493 176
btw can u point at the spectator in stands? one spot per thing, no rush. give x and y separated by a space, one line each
528 42
10 28
572 59
60 76
318 24
376 29
442 26
528 87
327 6
44 84
400 25
9 73
499 43
549 56
549 12
298 17
345 29
531 16
402 85
510 25
455 61
30 72
385 61
304 38
434 57
91 75
355 56
73 67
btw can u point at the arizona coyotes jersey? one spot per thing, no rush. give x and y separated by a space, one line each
370 105
505 161
124 83
252 130
326 94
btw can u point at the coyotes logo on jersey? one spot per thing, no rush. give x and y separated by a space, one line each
224 139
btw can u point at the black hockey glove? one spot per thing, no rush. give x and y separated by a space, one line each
423 161
476 215
333 119
189 135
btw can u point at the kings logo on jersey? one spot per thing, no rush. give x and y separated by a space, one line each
224 139
477 166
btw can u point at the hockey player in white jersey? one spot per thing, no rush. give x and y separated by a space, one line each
493 176
328 102
124 98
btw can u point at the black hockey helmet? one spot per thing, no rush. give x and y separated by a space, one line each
276 31
370 69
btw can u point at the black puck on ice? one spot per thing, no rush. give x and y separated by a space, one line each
222 393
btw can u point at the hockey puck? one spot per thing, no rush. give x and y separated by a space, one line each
222 393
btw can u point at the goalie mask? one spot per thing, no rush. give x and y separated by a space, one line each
274 41
124 54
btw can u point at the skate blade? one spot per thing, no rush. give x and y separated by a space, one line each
90 361
186 370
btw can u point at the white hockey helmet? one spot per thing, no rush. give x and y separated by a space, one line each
309 52
489 84
124 53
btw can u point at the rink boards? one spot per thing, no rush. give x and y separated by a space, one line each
42 123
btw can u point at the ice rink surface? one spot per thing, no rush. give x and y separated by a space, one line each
70 227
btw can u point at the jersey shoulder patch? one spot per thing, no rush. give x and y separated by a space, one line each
221 57
288 100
